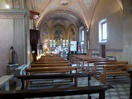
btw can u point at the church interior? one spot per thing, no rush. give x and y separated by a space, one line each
69 39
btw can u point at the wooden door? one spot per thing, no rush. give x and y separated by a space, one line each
103 51
34 38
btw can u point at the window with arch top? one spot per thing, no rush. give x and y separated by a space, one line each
103 31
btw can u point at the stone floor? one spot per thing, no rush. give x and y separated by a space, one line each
120 90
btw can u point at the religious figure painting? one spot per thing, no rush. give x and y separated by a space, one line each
58 35
72 35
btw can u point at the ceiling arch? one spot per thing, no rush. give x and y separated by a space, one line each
72 16
82 10
76 8
73 7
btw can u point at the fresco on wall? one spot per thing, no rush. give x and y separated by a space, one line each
58 35
72 35
45 40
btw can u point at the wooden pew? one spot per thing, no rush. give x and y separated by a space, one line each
73 57
114 70
98 66
44 60
50 62
49 57
51 69
76 58
130 72
40 70
88 59
51 65
23 94
90 67
55 76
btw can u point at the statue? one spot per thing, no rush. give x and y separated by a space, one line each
11 55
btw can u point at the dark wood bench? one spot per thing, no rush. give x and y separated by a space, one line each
114 70
88 59
51 58
22 94
91 66
51 65
55 76
50 62
51 69
45 70
98 66
130 72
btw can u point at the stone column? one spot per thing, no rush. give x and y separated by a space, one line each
26 4
19 40
12 34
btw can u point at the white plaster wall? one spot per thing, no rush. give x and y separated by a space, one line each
6 41
127 31
19 40
111 11
115 31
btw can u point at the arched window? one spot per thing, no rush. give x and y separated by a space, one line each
82 38
103 31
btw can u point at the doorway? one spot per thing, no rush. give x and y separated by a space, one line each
103 50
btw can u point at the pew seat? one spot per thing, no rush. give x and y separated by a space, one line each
23 94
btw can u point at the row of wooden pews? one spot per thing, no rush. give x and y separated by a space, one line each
59 65
53 67
113 69
82 59
50 65
102 66
50 92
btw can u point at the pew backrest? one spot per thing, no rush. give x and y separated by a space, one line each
117 70
50 62
100 64
52 65
55 76
51 69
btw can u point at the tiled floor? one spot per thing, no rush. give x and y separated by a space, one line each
120 90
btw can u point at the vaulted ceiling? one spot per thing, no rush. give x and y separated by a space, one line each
54 12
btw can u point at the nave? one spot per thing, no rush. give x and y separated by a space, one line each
100 28
120 90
